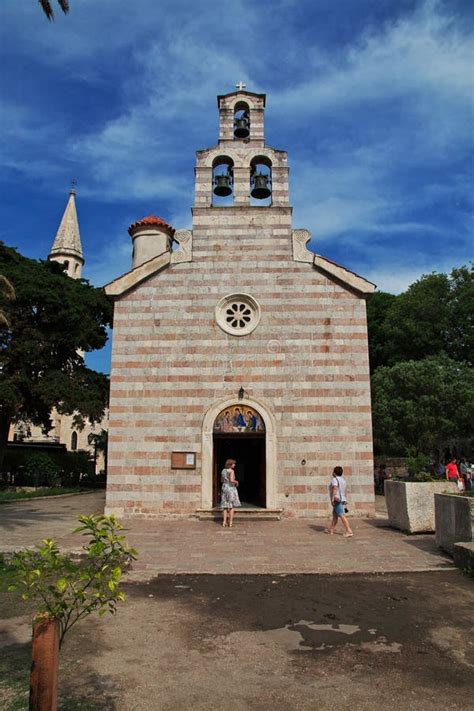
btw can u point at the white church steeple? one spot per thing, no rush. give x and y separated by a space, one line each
67 248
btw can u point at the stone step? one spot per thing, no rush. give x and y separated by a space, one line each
249 514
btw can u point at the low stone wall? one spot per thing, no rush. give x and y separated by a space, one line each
454 520
410 505
395 466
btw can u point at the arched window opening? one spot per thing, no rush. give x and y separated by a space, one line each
223 181
66 264
241 120
74 441
76 268
260 181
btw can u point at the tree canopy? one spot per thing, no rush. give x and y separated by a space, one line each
422 406
434 315
51 322
421 346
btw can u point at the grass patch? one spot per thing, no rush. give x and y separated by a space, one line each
7 496
15 662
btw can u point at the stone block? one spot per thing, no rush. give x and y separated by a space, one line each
454 520
410 505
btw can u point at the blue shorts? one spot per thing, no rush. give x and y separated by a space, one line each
338 509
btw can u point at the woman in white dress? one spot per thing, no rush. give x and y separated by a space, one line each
229 496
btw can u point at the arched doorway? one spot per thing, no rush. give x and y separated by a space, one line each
248 445
239 433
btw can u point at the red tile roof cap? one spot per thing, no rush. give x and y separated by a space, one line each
151 220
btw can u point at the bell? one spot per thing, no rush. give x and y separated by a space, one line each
222 185
241 127
260 186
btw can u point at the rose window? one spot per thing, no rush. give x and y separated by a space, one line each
238 314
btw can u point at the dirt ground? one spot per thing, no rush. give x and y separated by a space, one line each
397 641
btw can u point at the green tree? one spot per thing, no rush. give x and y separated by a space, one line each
422 406
417 323
433 316
378 305
53 319
48 8
461 315
99 440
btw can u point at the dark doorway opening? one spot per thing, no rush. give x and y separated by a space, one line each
249 452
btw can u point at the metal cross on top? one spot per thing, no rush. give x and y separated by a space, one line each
241 85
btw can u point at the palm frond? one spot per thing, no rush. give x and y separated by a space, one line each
4 322
48 10
7 288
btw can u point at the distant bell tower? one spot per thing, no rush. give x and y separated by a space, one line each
241 171
67 248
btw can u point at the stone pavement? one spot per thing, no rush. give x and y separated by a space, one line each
192 546
24 523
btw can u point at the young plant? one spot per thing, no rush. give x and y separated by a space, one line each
66 588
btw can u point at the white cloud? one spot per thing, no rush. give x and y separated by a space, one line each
399 94
424 53
407 89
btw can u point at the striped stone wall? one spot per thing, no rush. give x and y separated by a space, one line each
171 362
307 360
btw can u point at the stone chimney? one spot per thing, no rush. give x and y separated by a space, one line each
151 236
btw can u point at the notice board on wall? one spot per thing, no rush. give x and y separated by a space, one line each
183 460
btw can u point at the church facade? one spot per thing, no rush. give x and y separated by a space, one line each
233 340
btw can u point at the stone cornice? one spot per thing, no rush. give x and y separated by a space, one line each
343 275
275 209
301 253
127 281
184 253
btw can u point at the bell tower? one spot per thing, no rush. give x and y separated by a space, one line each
241 171
67 248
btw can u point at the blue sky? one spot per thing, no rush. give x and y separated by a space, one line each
373 100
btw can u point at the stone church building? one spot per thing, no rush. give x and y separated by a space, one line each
234 340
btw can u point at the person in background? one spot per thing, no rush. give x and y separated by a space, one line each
470 477
229 496
440 470
382 476
337 494
464 471
452 471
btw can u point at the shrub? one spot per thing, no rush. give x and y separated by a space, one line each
76 467
418 465
40 470
424 476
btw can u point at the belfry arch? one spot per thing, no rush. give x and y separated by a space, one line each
208 449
